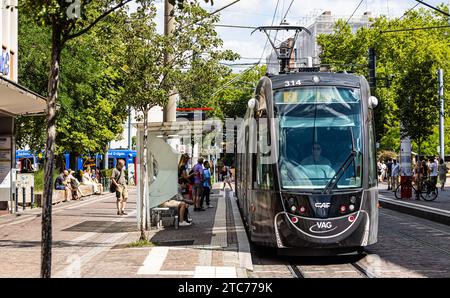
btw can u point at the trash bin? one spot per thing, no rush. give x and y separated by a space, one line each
406 187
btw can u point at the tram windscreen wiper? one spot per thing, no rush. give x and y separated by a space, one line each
333 181
348 161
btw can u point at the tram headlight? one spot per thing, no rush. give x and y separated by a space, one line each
351 207
353 199
293 208
316 79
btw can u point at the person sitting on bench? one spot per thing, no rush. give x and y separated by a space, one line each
182 209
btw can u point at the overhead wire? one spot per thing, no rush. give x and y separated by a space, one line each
256 64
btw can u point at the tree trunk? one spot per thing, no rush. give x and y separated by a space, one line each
46 243
144 195
419 185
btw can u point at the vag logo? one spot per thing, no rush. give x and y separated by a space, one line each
322 205
322 227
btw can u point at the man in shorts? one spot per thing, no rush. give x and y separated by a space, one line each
118 178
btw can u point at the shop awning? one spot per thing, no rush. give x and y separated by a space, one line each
16 100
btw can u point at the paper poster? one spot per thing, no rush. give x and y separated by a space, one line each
5 142
5 174
5 155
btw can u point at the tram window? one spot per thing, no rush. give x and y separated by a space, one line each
372 159
317 95
264 157
317 136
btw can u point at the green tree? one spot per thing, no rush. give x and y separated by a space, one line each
398 53
149 80
66 20
234 91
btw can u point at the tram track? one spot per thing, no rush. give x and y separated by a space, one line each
344 270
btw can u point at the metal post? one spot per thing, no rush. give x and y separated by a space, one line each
129 129
441 113
23 198
170 110
17 200
32 196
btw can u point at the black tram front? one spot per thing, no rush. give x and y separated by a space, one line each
306 170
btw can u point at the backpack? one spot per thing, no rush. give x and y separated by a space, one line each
191 178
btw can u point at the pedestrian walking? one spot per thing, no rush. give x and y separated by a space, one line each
395 174
433 171
197 188
383 171
379 171
442 173
120 186
389 174
226 177
206 185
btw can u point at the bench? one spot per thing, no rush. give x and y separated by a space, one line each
158 213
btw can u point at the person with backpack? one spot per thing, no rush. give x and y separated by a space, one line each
119 186
197 188
389 175
206 185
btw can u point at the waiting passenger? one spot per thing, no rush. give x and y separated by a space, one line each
75 186
62 183
181 207
87 180
206 185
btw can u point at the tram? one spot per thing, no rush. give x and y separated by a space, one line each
306 179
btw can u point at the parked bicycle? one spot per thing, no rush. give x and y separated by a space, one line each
428 191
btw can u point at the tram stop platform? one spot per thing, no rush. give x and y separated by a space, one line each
215 245
437 210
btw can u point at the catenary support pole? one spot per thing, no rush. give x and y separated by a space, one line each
441 114
170 109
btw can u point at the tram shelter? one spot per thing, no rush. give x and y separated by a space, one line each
166 142
15 100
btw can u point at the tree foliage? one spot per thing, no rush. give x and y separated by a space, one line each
411 58
91 109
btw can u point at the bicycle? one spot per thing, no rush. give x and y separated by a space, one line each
427 193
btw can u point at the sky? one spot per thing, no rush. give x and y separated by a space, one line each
260 12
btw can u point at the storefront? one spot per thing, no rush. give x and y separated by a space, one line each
15 100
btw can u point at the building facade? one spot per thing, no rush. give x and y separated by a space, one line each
306 44
15 100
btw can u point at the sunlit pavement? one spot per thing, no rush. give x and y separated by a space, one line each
90 240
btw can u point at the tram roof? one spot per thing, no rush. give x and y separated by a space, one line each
326 79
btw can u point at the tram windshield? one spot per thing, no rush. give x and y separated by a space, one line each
320 137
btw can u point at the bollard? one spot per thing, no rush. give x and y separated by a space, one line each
32 196
17 200
176 222
23 198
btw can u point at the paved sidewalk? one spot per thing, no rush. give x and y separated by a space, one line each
437 210
90 240
213 246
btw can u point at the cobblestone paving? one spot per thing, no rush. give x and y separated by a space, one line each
407 247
